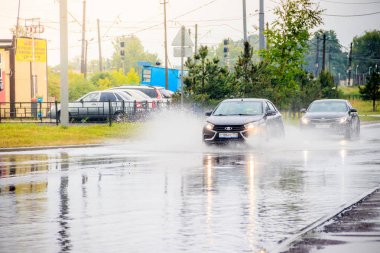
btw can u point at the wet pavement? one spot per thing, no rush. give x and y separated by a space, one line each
355 229
167 194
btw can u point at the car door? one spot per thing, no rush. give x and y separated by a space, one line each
354 115
274 120
91 106
107 98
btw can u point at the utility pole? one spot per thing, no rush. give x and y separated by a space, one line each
196 39
82 67
245 21
182 56
324 52
261 26
64 117
100 49
317 59
166 49
349 65
85 59
330 58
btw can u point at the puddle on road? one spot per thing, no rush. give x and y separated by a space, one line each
157 195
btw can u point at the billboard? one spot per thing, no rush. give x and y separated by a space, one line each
31 50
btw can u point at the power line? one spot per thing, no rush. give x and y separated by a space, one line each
349 16
361 3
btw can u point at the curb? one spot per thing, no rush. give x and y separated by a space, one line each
2 150
284 245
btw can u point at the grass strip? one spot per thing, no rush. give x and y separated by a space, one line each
27 135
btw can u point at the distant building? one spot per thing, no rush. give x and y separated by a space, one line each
23 70
155 75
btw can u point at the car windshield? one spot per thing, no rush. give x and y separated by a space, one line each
328 106
136 94
239 108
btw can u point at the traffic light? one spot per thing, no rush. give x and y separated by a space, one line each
225 48
122 52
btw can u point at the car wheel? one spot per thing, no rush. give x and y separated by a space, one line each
349 133
281 130
357 131
119 117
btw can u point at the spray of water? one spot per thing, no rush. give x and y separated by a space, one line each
181 131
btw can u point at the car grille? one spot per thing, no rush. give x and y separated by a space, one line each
324 121
229 128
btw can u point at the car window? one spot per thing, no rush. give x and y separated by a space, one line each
271 106
149 91
92 97
139 94
107 96
239 108
328 106
121 97
165 93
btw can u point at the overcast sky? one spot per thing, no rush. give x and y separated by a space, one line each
216 19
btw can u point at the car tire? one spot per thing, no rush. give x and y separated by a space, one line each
349 133
119 117
357 131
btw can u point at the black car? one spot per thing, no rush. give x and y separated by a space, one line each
332 115
238 120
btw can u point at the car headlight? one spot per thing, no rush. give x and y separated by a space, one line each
305 121
209 126
343 120
253 125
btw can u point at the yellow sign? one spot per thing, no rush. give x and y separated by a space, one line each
31 50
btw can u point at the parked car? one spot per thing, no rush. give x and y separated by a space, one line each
332 115
242 119
95 106
166 94
151 91
143 101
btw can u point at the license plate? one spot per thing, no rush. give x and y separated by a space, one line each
228 135
323 126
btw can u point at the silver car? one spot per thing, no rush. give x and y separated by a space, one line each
96 106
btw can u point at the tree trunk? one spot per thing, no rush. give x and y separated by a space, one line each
374 105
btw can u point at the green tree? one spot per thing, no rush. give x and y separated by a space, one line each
251 79
371 90
134 52
102 80
328 87
132 77
207 81
54 84
334 52
78 86
287 40
366 51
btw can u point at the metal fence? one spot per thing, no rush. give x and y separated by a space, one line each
80 112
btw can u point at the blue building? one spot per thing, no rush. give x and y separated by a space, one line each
155 75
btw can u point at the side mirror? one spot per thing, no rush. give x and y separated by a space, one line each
303 110
353 110
208 113
270 113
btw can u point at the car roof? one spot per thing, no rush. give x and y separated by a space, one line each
245 99
134 86
332 100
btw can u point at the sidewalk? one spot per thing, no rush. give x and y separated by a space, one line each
354 230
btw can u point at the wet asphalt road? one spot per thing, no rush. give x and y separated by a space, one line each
176 195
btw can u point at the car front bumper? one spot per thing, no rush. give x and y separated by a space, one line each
220 137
